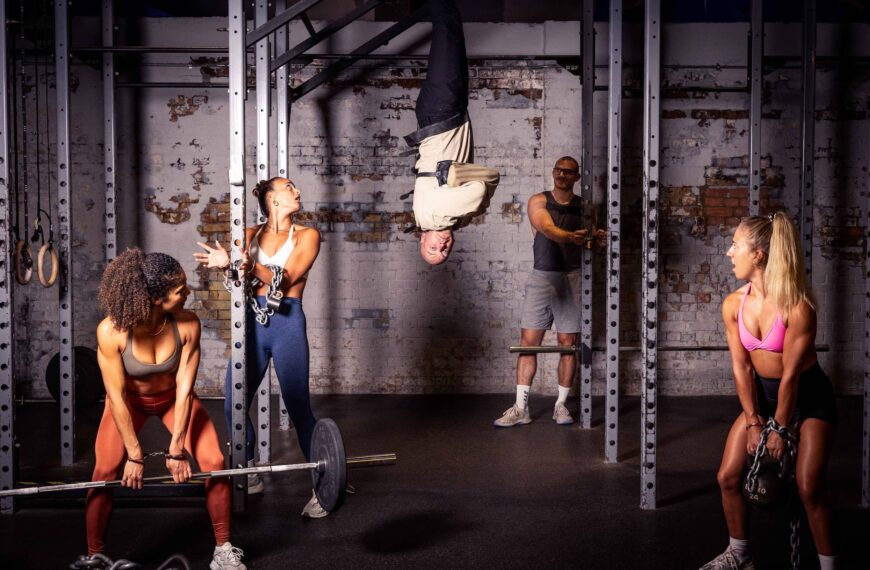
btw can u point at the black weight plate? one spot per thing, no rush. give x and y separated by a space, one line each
88 379
330 478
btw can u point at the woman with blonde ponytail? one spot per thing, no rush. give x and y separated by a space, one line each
770 325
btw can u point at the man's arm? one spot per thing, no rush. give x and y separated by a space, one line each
542 221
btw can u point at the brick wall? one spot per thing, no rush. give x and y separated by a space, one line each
382 321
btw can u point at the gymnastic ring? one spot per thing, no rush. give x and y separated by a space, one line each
23 262
48 247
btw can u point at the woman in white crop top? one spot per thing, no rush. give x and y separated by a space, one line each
278 242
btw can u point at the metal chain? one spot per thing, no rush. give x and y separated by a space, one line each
791 441
273 297
795 540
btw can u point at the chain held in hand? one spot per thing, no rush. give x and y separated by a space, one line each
273 296
768 480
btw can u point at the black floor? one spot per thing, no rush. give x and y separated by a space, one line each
463 495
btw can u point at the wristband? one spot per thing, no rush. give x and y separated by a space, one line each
136 461
179 457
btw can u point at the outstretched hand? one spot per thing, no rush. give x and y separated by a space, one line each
215 257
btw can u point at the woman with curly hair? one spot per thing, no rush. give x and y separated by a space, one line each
770 325
148 351
277 245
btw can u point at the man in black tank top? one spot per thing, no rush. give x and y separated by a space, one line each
553 287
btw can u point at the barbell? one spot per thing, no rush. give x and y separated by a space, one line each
328 468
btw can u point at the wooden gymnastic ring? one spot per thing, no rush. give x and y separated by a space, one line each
23 274
54 264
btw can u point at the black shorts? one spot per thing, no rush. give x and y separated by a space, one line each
815 396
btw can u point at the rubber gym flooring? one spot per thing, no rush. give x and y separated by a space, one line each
463 494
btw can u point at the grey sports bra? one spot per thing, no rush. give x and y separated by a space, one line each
137 369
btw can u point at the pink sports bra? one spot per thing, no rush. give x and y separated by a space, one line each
774 339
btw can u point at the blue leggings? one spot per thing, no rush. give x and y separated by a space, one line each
284 340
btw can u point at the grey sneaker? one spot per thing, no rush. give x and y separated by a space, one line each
562 416
729 561
255 482
313 510
227 557
513 416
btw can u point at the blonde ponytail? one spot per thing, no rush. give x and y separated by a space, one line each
784 274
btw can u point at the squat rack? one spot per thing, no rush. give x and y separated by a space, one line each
240 40
649 345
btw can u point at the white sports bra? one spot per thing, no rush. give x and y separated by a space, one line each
279 258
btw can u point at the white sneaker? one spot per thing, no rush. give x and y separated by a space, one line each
513 416
729 560
255 482
313 510
227 557
562 416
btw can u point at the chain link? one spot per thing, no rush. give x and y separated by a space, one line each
795 540
273 297
791 440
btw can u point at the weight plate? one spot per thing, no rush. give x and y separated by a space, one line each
330 477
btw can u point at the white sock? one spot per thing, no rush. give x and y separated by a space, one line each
563 395
522 396
827 562
740 547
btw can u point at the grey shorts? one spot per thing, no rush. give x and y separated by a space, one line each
552 297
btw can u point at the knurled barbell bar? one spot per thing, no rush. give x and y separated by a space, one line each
328 468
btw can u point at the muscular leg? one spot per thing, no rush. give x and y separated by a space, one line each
730 477
445 90
111 455
290 356
567 364
812 460
203 443
256 360
527 364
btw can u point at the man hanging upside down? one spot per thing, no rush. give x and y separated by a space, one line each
449 190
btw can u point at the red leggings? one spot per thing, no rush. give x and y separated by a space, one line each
202 442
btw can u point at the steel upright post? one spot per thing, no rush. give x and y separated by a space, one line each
808 131
108 22
263 55
756 65
586 192
237 74
64 217
865 439
8 455
650 257
614 147
282 111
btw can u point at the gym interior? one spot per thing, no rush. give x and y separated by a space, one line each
147 124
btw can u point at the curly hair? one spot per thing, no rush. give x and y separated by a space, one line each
261 191
131 281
